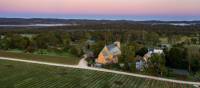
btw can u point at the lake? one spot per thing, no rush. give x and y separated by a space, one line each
36 25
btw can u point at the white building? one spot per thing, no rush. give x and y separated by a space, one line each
155 51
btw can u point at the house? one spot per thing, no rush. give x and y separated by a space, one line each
141 61
109 54
139 65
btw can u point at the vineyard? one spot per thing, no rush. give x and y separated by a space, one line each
26 75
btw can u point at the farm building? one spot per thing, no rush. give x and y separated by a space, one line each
109 54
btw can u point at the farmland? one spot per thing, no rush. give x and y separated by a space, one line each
26 75
67 59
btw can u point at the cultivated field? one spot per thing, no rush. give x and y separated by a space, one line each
67 59
26 75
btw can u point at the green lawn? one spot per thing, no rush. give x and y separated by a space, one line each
182 39
53 53
26 75
67 59
163 40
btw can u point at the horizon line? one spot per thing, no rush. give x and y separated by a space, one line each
112 19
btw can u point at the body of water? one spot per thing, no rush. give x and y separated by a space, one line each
36 25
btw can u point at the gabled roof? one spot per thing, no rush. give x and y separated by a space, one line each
113 49
111 46
105 53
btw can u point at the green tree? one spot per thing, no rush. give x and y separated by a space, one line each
15 41
127 56
177 58
41 41
174 39
128 53
97 47
156 65
48 40
66 41
196 77
31 47
5 43
194 40
141 52
152 39
77 51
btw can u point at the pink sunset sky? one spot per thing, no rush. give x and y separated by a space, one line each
56 8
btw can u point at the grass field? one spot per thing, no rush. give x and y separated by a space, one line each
26 75
181 39
68 59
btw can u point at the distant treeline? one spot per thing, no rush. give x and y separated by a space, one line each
24 21
117 27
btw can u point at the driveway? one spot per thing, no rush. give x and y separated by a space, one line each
83 62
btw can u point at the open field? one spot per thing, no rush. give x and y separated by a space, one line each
26 75
45 53
178 39
68 59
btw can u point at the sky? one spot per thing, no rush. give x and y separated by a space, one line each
102 9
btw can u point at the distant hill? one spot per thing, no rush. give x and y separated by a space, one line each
27 21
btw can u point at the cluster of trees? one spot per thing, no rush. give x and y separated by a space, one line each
176 57
183 57
62 40
156 66
14 41
51 41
